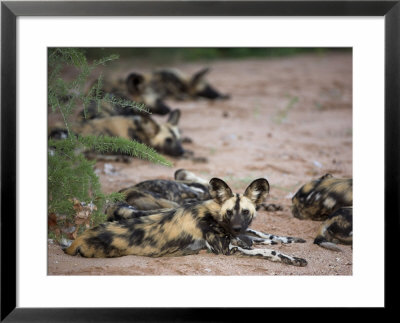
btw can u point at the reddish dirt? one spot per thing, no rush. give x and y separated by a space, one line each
289 120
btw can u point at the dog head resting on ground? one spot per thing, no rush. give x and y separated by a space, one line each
238 210
165 138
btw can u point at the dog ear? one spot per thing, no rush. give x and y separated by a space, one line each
198 76
327 175
147 125
219 190
257 191
174 117
133 82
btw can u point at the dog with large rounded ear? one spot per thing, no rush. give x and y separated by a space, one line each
257 191
174 117
198 76
219 190
134 83
199 87
146 125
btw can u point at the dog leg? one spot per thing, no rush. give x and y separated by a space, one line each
270 255
273 237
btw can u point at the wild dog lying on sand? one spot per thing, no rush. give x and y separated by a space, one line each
157 194
165 138
171 193
327 199
152 89
216 224
172 83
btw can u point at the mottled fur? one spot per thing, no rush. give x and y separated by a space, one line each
327 199
165 138
216 224
152 89
319 198
338 228
173 83
177 193
159 194
187 188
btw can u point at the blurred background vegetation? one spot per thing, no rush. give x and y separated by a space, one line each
172 54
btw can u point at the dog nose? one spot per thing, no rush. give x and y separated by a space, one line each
237 229
161 108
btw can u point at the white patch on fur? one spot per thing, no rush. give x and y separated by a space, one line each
196 189
176 132
254 195
263 252
197 245
208 246
189 176
329 203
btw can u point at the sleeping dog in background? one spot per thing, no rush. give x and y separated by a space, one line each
165 138
330 200
153 89
220 224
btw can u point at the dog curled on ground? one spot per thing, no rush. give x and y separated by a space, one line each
153 89
327 199
184 189
220 224
165 138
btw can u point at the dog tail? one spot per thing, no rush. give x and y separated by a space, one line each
322 242
73 248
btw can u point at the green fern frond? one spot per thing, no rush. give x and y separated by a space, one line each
115 100
107 144
70 175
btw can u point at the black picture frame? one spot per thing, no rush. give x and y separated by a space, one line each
10 10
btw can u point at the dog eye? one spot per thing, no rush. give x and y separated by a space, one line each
245 212
229 213
168 140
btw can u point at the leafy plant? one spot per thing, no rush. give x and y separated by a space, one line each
75 199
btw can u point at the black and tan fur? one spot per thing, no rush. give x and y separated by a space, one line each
175 192
327 199
217 224
165 138
338 228
157 194
172 83
153 89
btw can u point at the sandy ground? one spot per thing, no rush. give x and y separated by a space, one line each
289 120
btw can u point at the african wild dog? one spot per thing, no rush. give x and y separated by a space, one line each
217 224
173 83
165 138
157 194
179 193
327 199
152 89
